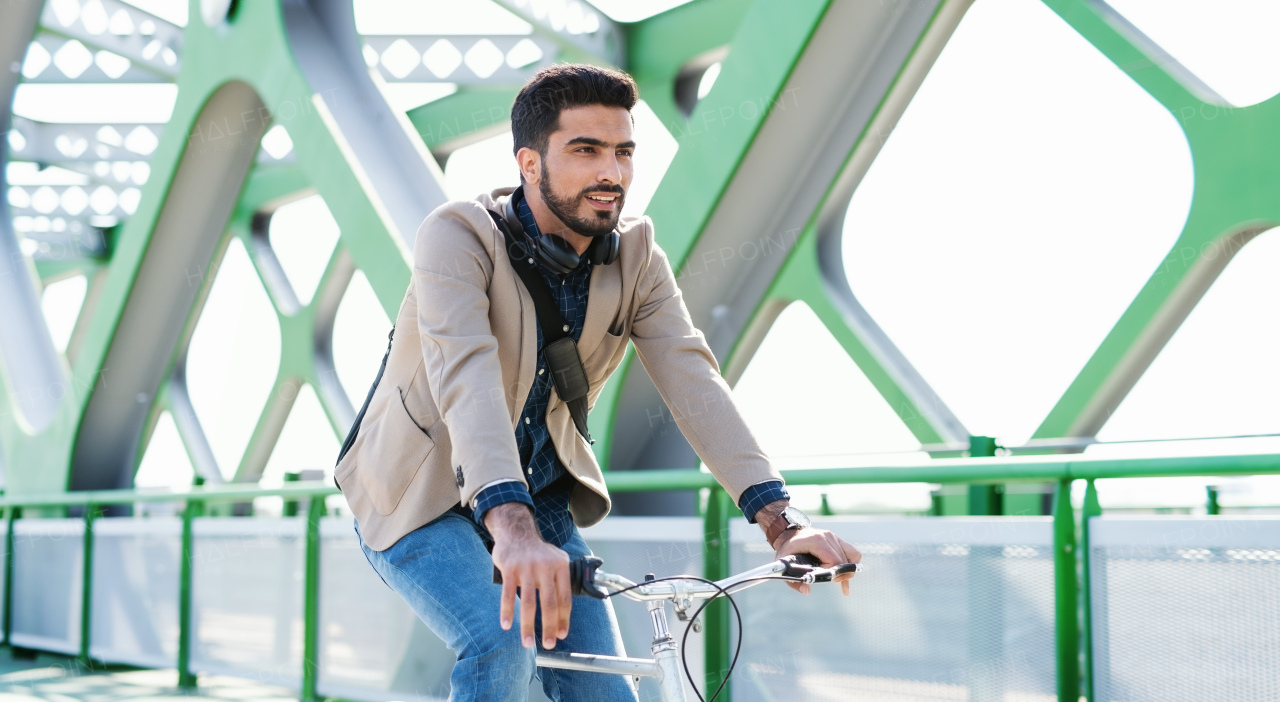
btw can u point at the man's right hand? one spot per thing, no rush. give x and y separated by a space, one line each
534 566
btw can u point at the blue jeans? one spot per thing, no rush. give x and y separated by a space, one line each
445 573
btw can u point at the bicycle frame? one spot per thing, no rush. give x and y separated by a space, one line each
665 664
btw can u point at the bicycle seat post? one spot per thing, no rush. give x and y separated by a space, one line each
666 652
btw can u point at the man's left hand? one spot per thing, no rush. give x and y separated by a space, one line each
823 545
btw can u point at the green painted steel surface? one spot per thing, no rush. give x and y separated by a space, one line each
86 589
770 38
715 566
191 510
1066 593
253 50
11 515
1234 152
311 602
1091 508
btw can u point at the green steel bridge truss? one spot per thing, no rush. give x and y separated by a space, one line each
770 157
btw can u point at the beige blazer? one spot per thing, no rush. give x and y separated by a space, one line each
441 424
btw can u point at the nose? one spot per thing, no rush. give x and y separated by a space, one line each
610 170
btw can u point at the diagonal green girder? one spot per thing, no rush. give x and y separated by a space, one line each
1234 150
1236 160
252 50
769 40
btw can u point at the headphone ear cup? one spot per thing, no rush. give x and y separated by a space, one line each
604 250
556 254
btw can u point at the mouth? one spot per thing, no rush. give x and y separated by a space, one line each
603 201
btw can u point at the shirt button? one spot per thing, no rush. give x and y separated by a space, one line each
566 327
530 470
526 420
540 370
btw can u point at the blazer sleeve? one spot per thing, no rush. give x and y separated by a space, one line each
451 272
686 374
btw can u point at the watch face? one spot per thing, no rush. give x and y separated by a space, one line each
795 516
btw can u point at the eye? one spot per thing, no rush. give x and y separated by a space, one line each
624 152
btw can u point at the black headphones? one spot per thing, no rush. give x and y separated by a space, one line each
556 253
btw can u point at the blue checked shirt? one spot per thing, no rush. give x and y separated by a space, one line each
549 483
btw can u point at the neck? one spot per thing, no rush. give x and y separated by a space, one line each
548 223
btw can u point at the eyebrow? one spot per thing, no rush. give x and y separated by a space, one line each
592 141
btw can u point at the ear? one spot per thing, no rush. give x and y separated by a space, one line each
529 162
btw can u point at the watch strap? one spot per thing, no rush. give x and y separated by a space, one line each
779 525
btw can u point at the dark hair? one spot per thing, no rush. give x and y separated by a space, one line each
536 111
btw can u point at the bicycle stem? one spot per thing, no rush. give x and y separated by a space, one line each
666 653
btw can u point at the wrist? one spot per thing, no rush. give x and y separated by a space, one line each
511 521
782 522
769 513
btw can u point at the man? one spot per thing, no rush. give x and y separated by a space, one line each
466 458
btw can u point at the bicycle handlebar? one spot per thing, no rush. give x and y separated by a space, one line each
586 578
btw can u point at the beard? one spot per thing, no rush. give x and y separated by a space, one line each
594 224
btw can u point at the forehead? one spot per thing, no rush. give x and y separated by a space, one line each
608 124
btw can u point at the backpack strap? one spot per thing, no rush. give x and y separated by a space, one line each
559 348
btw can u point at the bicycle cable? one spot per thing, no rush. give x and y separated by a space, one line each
726 592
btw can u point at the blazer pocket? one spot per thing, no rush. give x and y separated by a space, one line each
395 452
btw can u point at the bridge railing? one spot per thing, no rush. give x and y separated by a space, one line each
1071 562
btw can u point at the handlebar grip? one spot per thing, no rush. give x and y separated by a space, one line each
799 563
802 563
582 573
846 568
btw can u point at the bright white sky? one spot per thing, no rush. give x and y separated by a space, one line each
1009 220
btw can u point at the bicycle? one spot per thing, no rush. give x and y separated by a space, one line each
682 591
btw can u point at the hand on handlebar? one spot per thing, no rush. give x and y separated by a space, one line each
539 569
828 548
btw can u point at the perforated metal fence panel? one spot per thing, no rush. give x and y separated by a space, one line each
372 646
136 568
48 570
634 546
1186 608
954 608
247 587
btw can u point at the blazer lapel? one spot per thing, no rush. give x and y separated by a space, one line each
604 294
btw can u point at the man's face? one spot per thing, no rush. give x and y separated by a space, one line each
587 169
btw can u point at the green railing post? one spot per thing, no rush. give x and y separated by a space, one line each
11 516
311 602
984 500
986 591
290 507
1211 500
86 584
1066 594
715 566
1090 509
186 679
